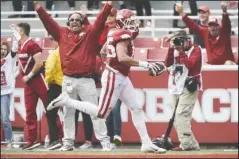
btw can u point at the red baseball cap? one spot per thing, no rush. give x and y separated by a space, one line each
213 20
113 11
204 9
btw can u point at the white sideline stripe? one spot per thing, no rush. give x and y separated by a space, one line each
230 150
204 68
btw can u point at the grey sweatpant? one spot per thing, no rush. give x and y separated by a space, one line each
84 89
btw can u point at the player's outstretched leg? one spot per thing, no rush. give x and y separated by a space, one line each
139 123
65 100
88 108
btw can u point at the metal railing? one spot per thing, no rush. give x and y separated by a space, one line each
215 11
153 18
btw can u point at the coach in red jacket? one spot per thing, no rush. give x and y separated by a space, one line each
77 46
217 38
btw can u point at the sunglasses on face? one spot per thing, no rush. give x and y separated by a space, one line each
212 25
76 20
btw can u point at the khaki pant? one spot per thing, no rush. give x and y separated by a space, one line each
183 117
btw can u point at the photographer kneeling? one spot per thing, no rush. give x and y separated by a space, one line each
184 84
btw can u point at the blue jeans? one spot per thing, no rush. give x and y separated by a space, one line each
5 112
113 121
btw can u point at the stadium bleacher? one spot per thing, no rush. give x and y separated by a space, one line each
150 49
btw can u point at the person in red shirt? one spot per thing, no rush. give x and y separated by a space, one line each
117 52
31 70
99 67
217 38
78 47
185 60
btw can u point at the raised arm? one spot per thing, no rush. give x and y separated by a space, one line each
84 13
189 22
101 18
226 22
51 26
86 21
14 48
169 58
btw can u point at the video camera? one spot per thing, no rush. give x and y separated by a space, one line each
178 41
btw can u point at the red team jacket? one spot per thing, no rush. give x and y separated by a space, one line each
77 52
218 48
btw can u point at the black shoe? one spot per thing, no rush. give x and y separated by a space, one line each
30 146
54 145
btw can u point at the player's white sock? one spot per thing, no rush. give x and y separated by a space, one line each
139 123
85 107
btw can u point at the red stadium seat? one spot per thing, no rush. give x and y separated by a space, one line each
147 42
157 54
163 43
38 41
7 39
45 54
141 54
234 41
48 43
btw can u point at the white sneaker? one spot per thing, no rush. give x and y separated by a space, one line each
106 146
66 147
117 140
9 145
113 146
61 100
150 147
86 145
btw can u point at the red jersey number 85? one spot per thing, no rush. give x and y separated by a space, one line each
111 53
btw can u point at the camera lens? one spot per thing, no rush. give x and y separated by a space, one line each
178 41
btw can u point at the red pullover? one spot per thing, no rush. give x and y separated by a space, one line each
77 52
218 48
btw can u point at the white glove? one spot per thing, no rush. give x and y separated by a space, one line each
15 32
14 45
144 64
